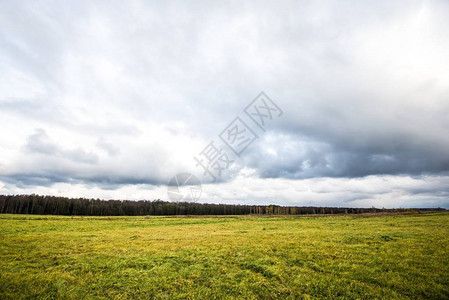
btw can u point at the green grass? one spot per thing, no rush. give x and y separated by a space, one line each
400 256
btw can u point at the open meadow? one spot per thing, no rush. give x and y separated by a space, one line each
383 256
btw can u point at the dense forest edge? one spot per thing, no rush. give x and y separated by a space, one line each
53 205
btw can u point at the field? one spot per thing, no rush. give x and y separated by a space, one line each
386 256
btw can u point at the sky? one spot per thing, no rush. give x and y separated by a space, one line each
112 99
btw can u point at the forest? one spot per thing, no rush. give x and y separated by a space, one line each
53 205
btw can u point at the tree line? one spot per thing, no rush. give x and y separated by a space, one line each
53 205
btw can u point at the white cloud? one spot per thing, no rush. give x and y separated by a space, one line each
127 93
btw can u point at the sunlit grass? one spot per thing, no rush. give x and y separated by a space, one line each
228 257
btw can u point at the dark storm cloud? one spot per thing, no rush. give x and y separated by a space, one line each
297 157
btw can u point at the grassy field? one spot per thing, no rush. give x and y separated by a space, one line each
396 256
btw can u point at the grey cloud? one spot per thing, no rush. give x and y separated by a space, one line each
26 180
49 178
111 149
40 143
53 114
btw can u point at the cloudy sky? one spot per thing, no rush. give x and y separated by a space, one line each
111 99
